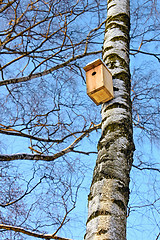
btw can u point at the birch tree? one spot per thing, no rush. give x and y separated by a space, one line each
109 195
109 192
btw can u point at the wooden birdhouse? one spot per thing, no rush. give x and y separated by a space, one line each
99 82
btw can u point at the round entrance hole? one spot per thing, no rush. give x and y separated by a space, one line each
94 73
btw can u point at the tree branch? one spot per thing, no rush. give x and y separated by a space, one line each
7 5
25 194
146 53
31 233
40 74
146 168
43 157
13 132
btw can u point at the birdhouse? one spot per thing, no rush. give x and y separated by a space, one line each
99 82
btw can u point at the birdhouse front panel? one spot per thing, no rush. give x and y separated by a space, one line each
93 79
99 82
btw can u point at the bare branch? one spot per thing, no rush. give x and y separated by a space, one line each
7 5
43 73
158 236
31 233
156 55
25 194
146 168
25 156
13 132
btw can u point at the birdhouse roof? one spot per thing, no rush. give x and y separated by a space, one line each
93 64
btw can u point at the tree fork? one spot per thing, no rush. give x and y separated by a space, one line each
109 192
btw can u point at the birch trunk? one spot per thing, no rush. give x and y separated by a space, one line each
109 192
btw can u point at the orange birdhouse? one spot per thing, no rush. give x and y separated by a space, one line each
99 82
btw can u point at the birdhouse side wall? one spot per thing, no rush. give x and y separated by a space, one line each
107 80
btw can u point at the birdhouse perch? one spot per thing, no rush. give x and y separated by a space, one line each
99 82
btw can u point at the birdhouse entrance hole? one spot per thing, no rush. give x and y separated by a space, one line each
94 73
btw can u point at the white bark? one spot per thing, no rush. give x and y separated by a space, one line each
109 193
